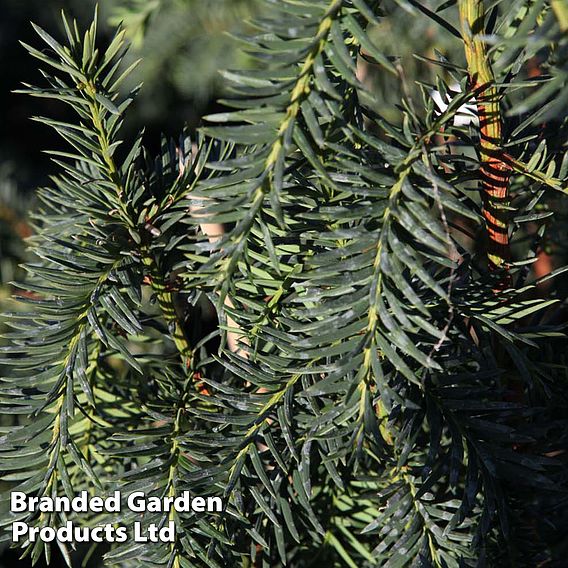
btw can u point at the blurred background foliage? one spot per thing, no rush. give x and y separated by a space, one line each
183 45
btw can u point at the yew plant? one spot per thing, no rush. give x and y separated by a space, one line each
329 318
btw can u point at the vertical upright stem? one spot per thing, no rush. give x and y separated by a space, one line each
495 170
167 307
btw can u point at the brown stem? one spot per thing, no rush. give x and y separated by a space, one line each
495 170
215 232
